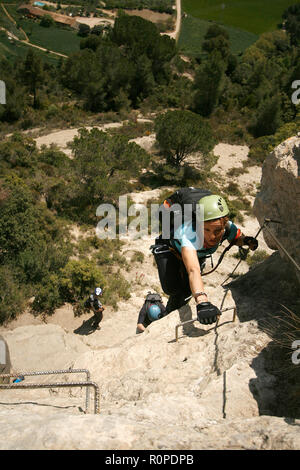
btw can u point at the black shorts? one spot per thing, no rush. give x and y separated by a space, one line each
171 270
173 275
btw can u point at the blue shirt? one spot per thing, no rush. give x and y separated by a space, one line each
185 236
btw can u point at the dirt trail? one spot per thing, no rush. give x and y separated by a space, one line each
175 34
61 138
26 40
7 14
27 43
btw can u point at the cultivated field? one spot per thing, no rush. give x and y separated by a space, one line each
244 20
11 49
53 38
193 31
255 16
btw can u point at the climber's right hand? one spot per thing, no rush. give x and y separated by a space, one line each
251 242
207 313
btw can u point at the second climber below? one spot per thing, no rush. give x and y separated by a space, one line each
93 302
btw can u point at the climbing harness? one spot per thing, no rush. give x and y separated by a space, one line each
243 252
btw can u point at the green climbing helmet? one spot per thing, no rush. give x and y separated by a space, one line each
215 207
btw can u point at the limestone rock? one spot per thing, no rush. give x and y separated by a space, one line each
67 432
213 389
279 197
48 347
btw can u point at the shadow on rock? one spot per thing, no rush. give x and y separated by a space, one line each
265 294
260 294
86 328
190 329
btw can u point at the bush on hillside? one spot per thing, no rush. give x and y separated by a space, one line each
179 133
13 294
47 21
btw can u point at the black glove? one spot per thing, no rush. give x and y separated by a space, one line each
251 242
207 313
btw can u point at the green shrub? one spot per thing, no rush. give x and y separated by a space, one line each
257 257
117 288
137 257
165 174
13 294
52 111
48 296
233 189
262 146
78 277
179 133
47 21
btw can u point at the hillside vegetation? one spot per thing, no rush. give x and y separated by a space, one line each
129 112
127 69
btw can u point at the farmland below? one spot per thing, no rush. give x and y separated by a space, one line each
12 50
244 21
54 38
57 38
194 29
254 16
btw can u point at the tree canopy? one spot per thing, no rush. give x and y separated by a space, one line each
179 133
125 64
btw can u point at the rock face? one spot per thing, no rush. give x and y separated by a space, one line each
155 393
279 197
213 389
206 391
46 345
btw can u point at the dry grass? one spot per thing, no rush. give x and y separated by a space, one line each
284 332
290 323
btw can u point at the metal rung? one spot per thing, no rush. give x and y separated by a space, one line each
86 384
196 319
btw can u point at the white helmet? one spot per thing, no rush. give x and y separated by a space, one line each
98 291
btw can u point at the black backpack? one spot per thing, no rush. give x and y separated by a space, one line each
182 196
153 298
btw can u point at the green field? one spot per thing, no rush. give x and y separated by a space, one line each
12 50
193 31
255 16
55 38
7 24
